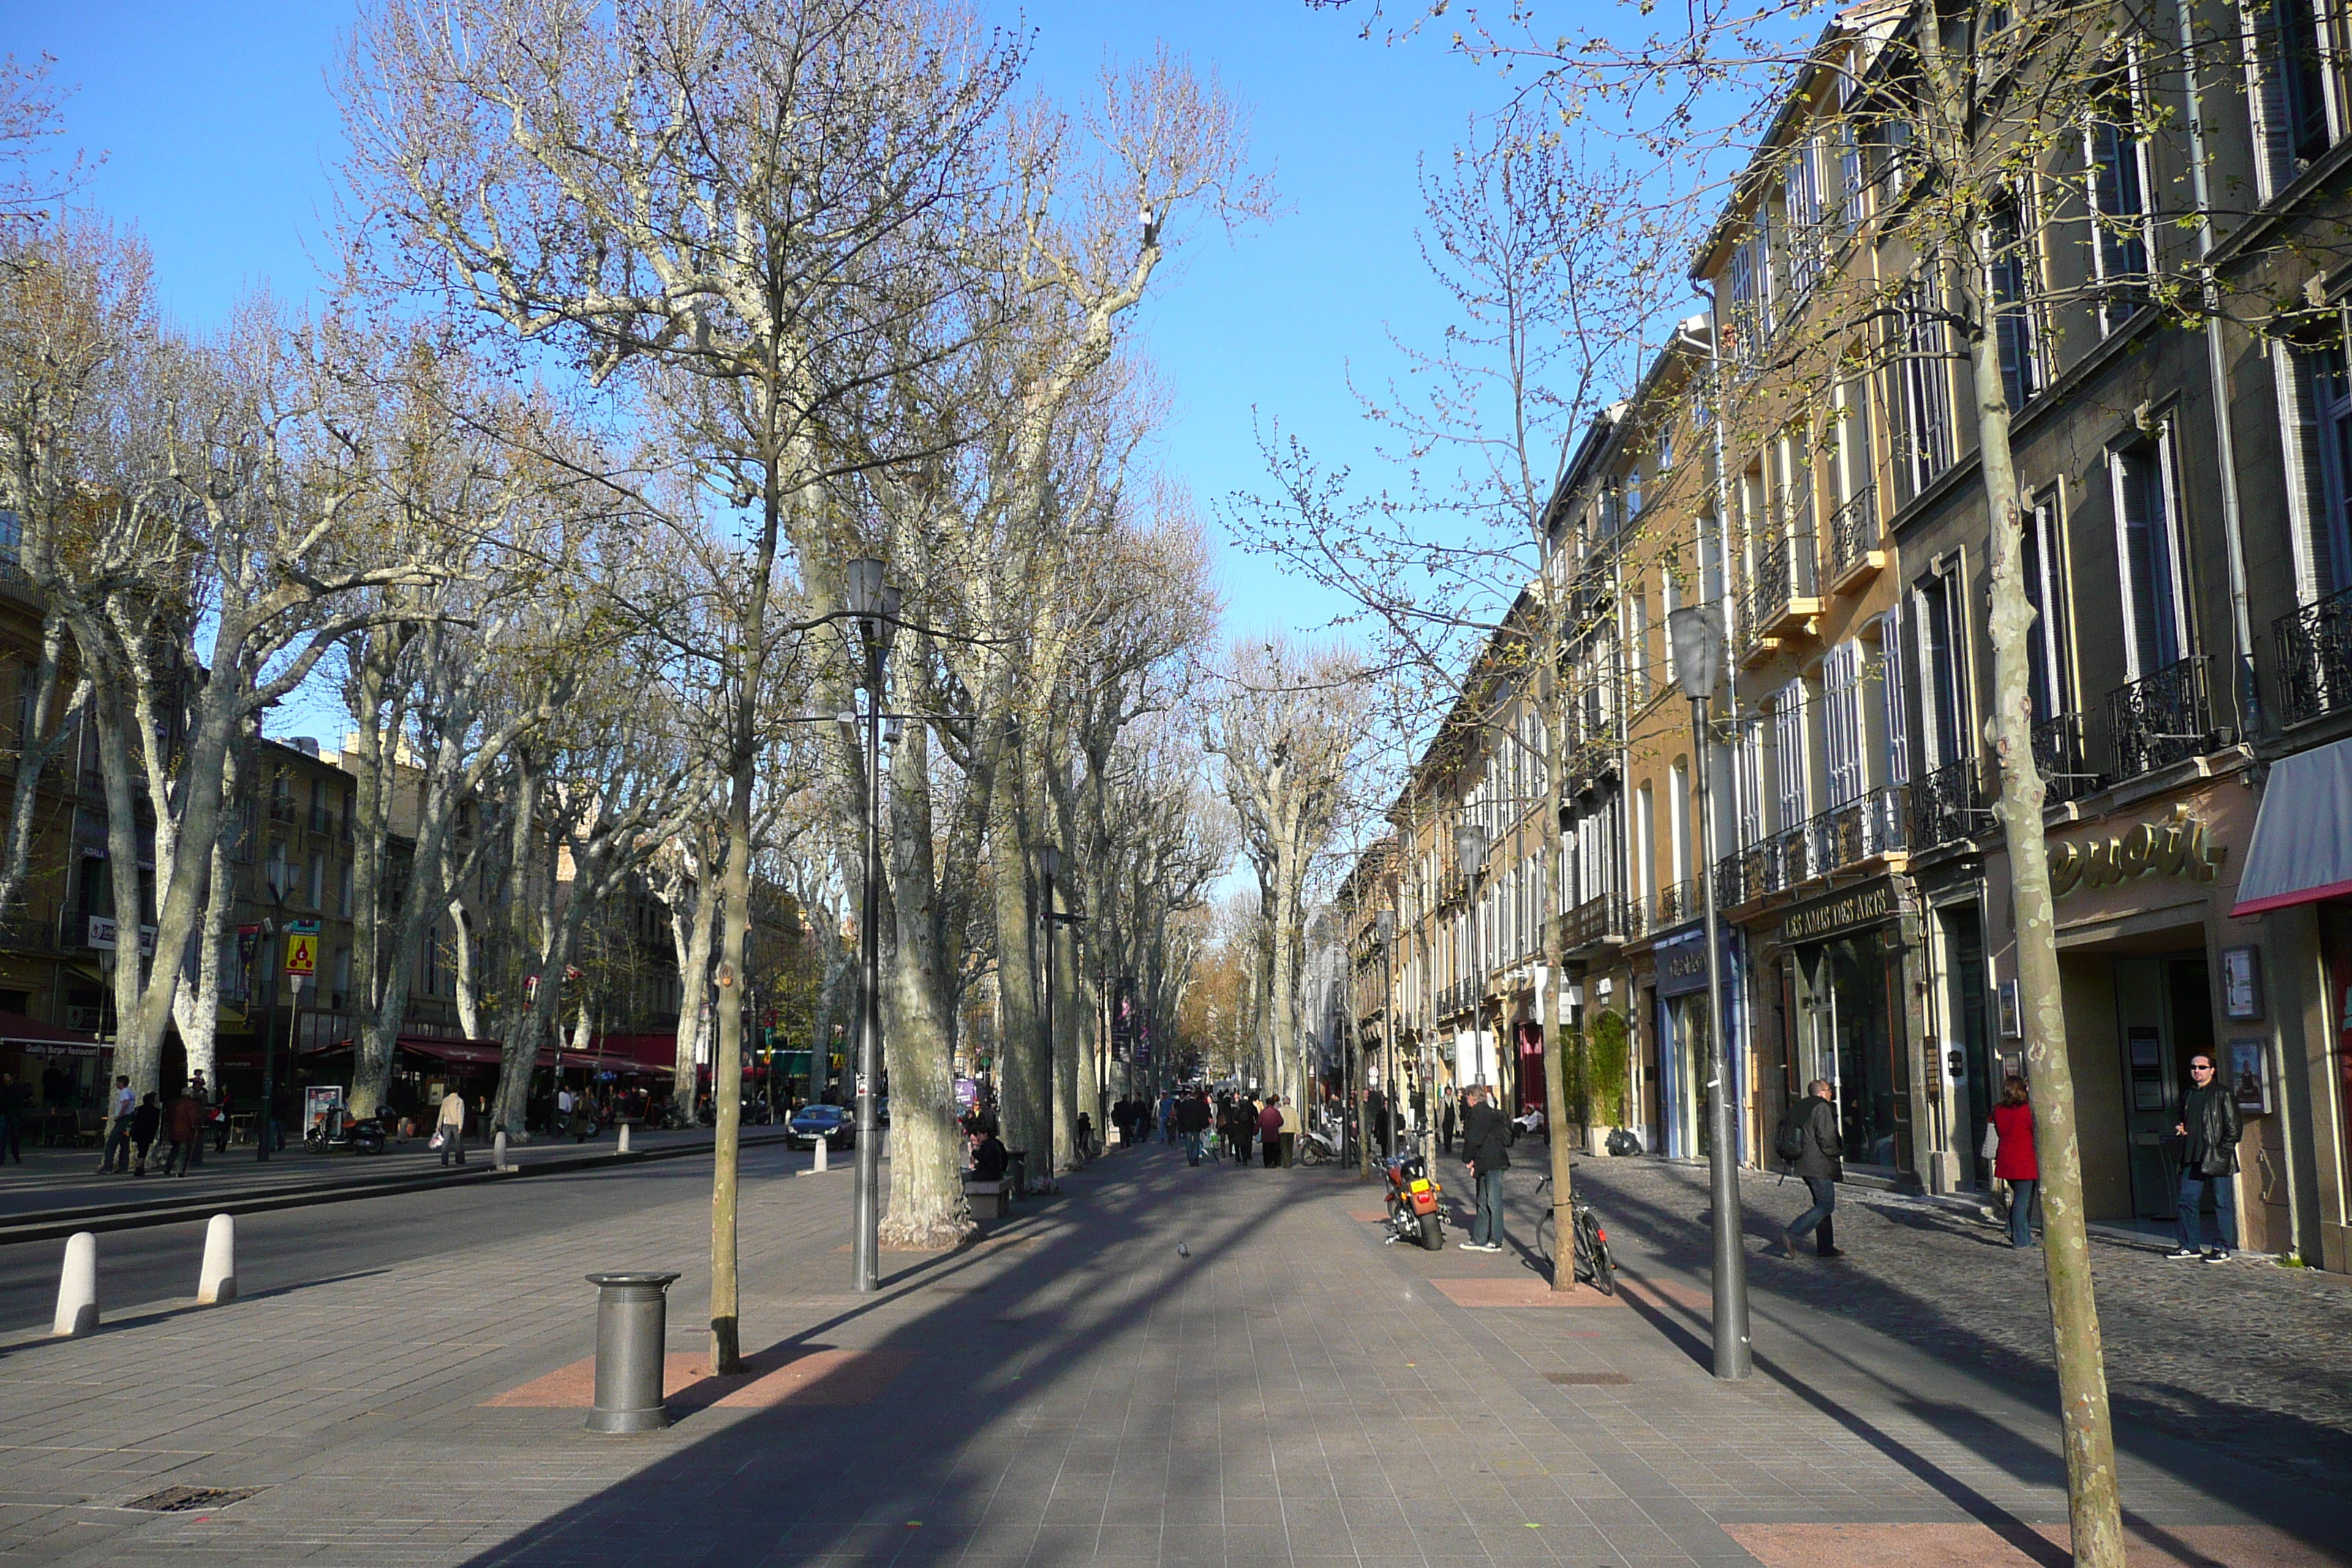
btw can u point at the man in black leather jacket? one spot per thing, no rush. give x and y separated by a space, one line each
1822 1166
2209 1127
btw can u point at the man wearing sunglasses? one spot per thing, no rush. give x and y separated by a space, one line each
2208 1161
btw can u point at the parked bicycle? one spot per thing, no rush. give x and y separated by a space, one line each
1594 1264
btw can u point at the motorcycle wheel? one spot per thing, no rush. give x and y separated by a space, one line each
1432 1233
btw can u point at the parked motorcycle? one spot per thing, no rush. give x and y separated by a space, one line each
1413 1213
340 1131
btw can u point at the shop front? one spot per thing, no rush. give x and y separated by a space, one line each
2142 895
1683 1042
1844 973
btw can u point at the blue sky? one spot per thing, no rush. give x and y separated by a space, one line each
220 139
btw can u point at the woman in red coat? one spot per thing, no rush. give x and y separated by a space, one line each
2013 1161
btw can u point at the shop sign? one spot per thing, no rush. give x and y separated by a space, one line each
2175 847
1863 906
1682 960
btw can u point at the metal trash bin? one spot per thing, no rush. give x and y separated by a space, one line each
1016 1174
632 1343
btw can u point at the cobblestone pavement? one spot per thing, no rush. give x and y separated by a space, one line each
1282 1391
2248 1357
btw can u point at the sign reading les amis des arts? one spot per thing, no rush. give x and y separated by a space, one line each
1863 906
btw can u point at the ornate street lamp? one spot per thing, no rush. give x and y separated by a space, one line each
873 604
1697 634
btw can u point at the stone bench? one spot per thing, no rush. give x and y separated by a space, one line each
989 1200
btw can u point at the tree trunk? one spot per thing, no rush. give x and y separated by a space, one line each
1022 1066
2094 1505
692 937
926 1201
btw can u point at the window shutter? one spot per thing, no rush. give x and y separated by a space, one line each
1841 727
1892 665
1789 754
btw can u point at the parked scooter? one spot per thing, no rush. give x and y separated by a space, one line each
1319 1144
340 1131
1413 1213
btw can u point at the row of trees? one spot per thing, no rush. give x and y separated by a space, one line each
651 319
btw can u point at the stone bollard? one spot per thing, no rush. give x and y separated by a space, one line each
216 1286
499 1150
823 1145
632 1334
78 1287
624 1138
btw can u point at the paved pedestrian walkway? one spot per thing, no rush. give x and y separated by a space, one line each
1162 1365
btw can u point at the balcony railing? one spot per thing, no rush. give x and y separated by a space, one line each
1593 921
2061 760
1947 805
1853 532
1781 587
2161 719
1875 823
2314 658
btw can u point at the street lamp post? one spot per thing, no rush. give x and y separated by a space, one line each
874 605
1049 866
1697 632
1384 922
1470 854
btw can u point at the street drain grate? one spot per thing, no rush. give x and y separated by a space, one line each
1587 1379
186 1499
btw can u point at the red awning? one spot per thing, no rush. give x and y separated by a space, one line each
628 1052
15 1029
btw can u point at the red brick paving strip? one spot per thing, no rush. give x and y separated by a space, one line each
1520 1293
1980 1546
778 1377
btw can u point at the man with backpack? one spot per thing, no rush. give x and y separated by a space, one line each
1810 1142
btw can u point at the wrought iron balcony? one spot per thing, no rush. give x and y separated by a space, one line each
1853 536
2161 719
1872 825
2060 757
1948 806
2314 658
1782 591
1593 923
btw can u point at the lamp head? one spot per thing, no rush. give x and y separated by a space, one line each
1469 845
1697 631
861 588
886 628
1049 861
1385 923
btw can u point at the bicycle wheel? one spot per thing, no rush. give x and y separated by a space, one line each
1548 1238
1592 1259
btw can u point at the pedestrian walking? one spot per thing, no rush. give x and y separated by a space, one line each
146 1123
449 1128
184 1126
202 1093
115 1158
2013 1158
1486 1150
1192 1121
1819 1160
1269 1132
1290 1128
1376 1119
1241 1128
1168 1115
15 1101
1447 1122
1086 1136
2209 1126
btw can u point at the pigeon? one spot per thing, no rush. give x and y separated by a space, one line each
1182 1250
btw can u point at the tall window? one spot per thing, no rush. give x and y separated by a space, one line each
1942 649
2319 438
1804 209
1637 651
1841 723
2147 547
1747 321
2012 299
2118 160
2046 585
1894 704
1679 815
1924 449
1747 763
1789 754
2287 88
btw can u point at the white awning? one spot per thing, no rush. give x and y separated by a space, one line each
2302 851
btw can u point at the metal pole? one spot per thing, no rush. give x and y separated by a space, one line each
1050 1042
1731 1350
866 1245
269 1050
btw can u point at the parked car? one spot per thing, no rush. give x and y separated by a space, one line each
811 1122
